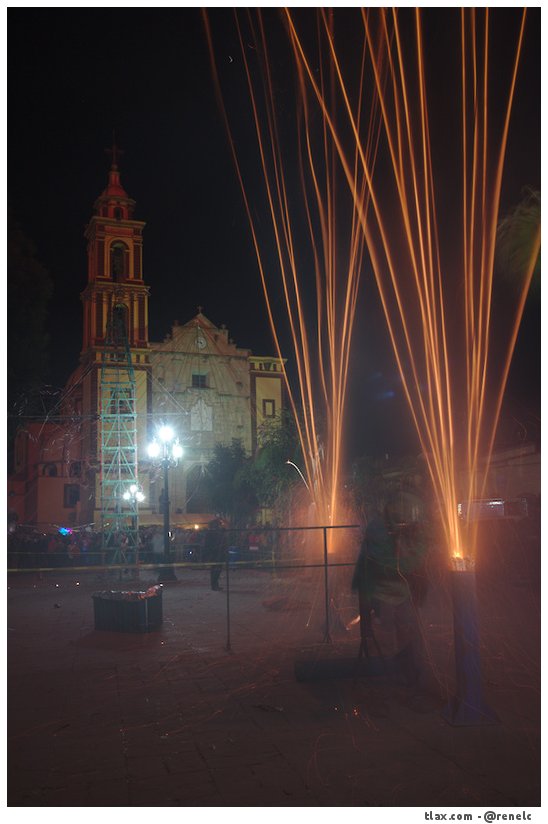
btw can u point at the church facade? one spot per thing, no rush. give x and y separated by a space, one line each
197 380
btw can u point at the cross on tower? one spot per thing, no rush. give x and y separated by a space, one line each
114 152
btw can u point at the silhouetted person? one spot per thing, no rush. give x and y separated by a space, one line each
215 550
389 558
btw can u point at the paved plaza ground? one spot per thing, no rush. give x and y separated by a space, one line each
172 718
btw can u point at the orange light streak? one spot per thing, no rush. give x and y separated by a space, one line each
411 264
425 354
336 245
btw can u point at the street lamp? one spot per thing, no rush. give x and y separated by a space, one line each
167 450
133 496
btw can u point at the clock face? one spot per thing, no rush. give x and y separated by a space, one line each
200 343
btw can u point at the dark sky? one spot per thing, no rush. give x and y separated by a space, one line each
75 75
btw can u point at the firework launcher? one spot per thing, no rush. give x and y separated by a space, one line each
468 706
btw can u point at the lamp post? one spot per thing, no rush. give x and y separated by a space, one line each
133 496
167 449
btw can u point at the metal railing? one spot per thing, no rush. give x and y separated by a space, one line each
40 562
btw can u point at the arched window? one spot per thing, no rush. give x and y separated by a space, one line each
119 260
49 470
118 213
120 322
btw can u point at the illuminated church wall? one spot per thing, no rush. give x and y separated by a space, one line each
196 379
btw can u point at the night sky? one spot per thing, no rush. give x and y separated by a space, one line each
75 75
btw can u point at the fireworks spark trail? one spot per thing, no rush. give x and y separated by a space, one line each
335 244
398 218
415 281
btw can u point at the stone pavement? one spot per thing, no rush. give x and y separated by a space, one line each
171 718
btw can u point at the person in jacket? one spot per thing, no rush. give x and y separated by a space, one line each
215 550
390 557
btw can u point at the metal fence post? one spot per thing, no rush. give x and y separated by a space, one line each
228 647
327 636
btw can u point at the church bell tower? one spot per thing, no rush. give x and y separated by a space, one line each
115 297
115 267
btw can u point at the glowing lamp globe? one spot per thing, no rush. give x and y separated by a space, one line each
166 434
153 449
177 450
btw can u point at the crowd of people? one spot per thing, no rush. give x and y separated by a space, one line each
30 548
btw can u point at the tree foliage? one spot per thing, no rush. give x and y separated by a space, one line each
28 294
372 482
269 473
229 489
516 236
29 289
239 486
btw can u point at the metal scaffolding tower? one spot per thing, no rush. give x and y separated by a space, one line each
118 424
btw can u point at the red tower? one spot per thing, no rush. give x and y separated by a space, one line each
115 267
115 281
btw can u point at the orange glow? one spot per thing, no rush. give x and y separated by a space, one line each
418 288
336 244
440 335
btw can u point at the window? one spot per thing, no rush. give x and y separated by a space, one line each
269 408
119 260
50 470
75 469
120 326
199 381
71 495
118 213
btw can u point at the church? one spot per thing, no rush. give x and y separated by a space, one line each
125 387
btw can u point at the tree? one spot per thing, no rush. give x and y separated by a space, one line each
29 289
228 486
374 481
516 238
269 474
517 249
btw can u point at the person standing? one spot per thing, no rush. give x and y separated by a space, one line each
215 550
389 557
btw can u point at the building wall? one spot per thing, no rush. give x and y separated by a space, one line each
200 386
197 380
267 391
52 454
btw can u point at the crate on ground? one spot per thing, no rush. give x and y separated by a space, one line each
116 611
